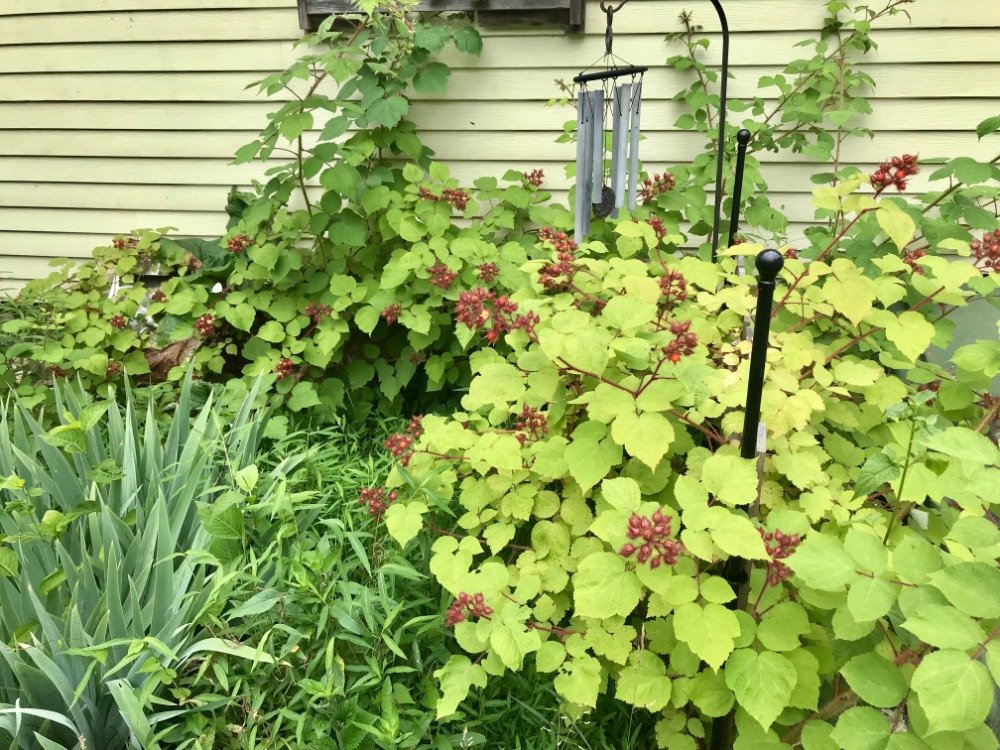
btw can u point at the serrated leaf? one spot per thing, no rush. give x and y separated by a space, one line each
710 631
644 682
602 587
821 562
974 588
404 521
944 627
762 683
955 691
875 679
862 728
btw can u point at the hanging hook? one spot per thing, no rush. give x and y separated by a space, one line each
609 34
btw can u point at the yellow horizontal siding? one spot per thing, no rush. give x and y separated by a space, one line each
116 113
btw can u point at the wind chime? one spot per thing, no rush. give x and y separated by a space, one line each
609 107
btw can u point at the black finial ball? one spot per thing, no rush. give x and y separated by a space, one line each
769 264
743 137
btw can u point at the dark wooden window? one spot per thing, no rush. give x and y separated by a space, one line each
568 13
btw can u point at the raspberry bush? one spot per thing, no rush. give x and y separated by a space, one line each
585 500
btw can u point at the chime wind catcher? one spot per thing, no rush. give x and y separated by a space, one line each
609 107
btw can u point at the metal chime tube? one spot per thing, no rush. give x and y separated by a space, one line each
584 164
633 146
769 264
597 151
619 143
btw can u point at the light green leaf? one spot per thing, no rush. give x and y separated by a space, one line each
875 679
896 223
732 479
782 625
762 683
710 631
821 563
862 728
644 682
955 691
870 598
550 656
964 443
603 588
911 333
456 678
735 534
972 587
944 627
580 682
646 436
404 521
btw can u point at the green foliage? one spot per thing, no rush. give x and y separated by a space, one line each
619 406
107 568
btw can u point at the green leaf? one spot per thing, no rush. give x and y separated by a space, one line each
869 599
876 680
782 625
867 550
911 333
732 479
388 111
272 331
432 78
710 631
303 396
987 126
580 682
970 171
762 683
603 588
646 436
862 728
735 534
915 559
896 223
404 521
8 563
644 682
550 656
972 587
965 444
955 691
944 627
456 678
821 563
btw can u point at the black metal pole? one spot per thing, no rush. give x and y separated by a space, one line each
742 140
769 264
720 154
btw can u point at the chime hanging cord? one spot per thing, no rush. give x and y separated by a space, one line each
720 154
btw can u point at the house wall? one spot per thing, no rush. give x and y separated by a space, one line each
117 114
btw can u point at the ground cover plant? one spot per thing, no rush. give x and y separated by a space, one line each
536 559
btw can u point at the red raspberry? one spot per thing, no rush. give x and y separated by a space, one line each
391 314
205 325
466 605
318 312
683 344
159 296
652 536
488 272
535 177
239 243
377 500
285 368
118 321
673 286
987 252
894 171
442 276
911 259
779 546
113 370
656 185
658 226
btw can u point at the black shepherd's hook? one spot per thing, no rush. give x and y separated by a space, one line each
609 9
720 154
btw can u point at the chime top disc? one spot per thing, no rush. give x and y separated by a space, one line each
606 206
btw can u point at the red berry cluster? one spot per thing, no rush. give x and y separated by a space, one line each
656 185
659 228
377 500
455 197
488 272
159 296
559 273
318 312
120 243
466 605
792 253
987 251
239 243
442 276
113 370
400 446
932 387
779 546
531 423
911 259
894 171
416 428
652 540
118 321
535 177
285 368
673 287
57 371
480 309
205 325
193 264
683 344
391 314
